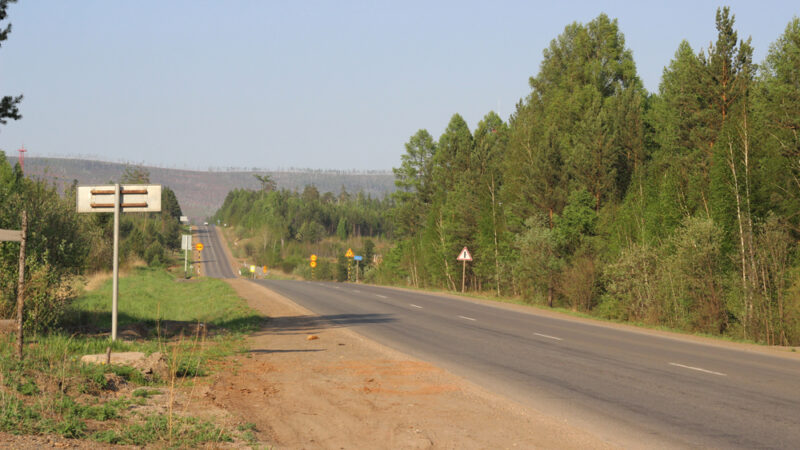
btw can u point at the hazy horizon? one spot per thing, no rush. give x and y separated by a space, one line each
319 85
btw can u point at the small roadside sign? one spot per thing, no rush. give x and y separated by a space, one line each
184 219
349 253
199 246
186 242
253 269
313 264
131 198
464 255
264 269
358 258
313 257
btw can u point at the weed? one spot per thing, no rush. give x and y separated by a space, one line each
145 393
51 391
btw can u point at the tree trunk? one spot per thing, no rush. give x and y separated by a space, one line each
742 251
496 246
21 283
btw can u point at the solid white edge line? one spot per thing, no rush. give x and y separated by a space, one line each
698 369
415 306
467 318
380 296
548 336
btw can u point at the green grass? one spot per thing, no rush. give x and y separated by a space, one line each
149 295
51 391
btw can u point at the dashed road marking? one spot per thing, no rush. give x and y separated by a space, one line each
415 306
356 291
548 336
698 369
380 296
467 318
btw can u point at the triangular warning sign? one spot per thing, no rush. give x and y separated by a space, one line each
464 255
349 253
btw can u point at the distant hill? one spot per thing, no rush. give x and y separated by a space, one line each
202 193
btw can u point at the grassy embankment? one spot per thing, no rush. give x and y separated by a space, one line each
51 391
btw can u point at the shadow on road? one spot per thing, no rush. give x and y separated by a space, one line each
306 324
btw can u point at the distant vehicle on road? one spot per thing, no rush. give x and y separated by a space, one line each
205 223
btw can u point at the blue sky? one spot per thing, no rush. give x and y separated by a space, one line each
324 85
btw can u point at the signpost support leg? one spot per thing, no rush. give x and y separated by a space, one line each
357 266
21 283
185 263
115 283
463 275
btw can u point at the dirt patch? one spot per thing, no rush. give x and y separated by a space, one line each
344 391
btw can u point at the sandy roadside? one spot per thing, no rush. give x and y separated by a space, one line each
344 391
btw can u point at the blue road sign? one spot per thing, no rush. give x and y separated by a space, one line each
358 258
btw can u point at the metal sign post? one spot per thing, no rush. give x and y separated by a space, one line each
464 256
357 259
116 198
349 254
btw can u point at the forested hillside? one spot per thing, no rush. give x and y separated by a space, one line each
202 192
676 208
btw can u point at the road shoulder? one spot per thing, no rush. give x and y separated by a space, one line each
343 390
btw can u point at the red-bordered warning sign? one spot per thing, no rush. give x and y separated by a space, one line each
464 255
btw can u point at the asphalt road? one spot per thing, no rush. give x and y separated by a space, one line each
634 388
213 261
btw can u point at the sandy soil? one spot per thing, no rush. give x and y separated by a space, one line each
341 390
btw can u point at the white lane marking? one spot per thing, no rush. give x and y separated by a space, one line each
698 369
548 336
415 306
467 318
356 291
380 296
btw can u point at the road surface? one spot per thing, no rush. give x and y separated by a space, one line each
632 387
213 261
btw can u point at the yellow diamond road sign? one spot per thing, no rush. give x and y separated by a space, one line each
313 257
313 264
199 247
349 253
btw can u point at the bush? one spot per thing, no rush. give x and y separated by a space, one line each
154 255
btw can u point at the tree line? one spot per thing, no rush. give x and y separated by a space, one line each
283 227
678 208
63 245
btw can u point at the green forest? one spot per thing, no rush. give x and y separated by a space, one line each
63 245
675 209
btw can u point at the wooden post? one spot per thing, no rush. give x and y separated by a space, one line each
21 283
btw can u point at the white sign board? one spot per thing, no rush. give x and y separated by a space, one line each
186 242
11 235
464 255
184 219
133 198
